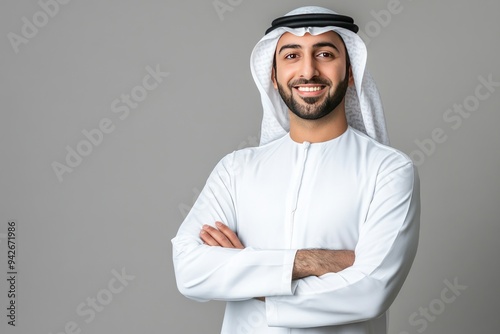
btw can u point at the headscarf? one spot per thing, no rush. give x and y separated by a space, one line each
364 110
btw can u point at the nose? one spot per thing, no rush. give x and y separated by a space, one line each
309 68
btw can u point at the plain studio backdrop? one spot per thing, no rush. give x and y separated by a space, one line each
115 112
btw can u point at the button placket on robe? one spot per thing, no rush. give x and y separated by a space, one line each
295 190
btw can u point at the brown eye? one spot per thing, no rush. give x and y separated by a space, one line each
325 55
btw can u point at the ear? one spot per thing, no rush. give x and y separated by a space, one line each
351 77
273 78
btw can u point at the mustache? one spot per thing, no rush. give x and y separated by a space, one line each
315 81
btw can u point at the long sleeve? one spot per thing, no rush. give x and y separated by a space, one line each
204 272
385 250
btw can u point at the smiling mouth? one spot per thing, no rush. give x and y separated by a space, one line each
310 90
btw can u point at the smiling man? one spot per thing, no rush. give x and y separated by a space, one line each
311 55
315 230
312 81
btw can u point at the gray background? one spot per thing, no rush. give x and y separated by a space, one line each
121 206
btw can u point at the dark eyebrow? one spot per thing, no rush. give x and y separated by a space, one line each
290 46
323 44
316 46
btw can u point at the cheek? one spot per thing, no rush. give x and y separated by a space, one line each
284 77
336 79
284 72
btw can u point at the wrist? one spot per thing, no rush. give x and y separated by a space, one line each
303 265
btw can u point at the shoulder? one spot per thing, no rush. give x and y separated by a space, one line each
379 157
256 152
247 156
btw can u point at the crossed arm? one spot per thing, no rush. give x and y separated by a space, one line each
308 262
223 268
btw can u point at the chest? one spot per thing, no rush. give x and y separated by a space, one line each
313 204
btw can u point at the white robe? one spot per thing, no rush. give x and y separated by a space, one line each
346 193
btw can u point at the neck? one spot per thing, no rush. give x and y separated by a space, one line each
320 130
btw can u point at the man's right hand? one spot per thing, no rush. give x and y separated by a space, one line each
317 262
221 235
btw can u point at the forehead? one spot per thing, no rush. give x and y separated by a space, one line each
309 40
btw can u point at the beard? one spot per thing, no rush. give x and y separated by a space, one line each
314 107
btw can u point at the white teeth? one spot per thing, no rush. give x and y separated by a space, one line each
310 89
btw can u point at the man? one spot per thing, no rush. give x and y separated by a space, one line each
315 230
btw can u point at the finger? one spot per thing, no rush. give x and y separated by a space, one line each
207 239
230 235
218 236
